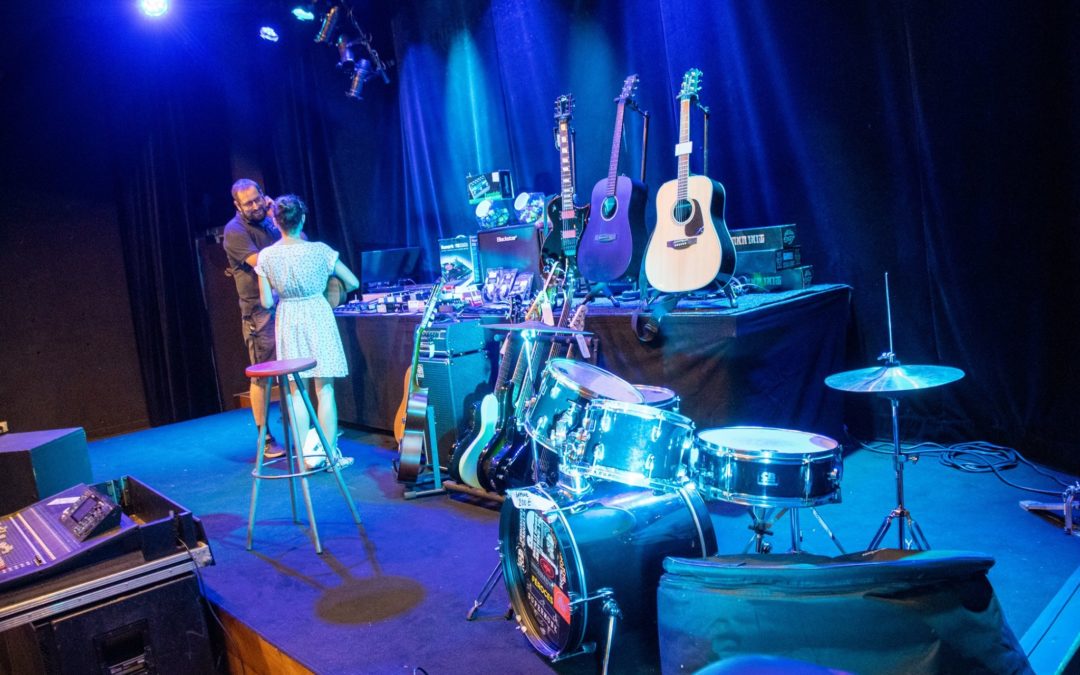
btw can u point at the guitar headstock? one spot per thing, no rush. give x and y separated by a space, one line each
564 107
691 85
629 87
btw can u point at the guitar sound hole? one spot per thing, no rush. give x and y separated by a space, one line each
682 211
608 208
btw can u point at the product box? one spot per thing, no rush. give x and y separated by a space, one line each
791 279
767 260
761 238
459 259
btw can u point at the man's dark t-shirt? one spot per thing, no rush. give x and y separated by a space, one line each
241 240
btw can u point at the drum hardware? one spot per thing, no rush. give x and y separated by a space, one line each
489 586
536 327
890 381
763 521
610 607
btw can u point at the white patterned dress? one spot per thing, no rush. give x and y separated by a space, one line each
306 328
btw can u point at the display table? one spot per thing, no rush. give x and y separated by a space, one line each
761 363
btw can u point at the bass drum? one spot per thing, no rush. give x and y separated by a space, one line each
560 548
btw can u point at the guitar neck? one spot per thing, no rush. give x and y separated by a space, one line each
684 157
566 170
616 146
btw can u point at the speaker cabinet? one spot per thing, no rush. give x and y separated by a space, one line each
38 464
156 629
454 384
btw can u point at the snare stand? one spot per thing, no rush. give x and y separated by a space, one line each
763 526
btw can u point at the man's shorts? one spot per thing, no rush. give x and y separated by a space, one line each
259 336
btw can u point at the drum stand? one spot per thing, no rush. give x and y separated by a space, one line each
485 592
903 517
763 526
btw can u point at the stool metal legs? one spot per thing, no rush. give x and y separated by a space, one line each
294 457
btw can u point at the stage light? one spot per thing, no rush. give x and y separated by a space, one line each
154 8
269 34
303 14
362 74
326 29
346 59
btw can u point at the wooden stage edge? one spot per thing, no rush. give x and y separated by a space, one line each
248 653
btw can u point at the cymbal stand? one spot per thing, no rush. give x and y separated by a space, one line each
903 517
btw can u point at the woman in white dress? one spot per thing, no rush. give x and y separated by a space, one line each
297 271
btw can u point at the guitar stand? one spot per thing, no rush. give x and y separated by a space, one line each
433 470
486 590
601 290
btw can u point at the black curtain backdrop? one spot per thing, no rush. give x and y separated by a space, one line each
935 142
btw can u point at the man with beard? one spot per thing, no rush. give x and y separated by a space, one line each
250 231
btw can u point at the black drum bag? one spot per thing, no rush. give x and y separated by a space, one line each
886 611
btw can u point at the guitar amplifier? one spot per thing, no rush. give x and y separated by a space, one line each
454 384
515 247
452 338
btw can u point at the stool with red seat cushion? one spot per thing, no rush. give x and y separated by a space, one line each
279 372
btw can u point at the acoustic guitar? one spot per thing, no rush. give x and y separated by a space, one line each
613 246
567 219
413 443
690 246
335 292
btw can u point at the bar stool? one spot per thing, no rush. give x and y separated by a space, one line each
279 372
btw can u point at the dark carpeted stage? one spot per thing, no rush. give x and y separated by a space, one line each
393 596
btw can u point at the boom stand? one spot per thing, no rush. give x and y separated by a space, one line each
903 517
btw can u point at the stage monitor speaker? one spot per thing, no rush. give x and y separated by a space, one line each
453 384
514 247
156 629
37 464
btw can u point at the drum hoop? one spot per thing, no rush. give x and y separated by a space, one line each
576 635
684 492
751 453
641 410
563 378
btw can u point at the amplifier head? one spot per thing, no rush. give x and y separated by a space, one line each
516 247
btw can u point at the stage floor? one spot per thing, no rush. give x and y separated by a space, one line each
392 596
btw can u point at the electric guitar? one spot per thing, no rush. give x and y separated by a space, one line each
567 220
691 246
414 443
513 465
616 238
494 411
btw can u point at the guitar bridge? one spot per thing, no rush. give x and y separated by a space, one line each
605 238
680 244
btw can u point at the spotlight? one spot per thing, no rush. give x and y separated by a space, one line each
154 8
328 23
269 34
346 59
303 14
362 74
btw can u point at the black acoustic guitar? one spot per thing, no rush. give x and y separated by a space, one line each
614 244
690 246
567 219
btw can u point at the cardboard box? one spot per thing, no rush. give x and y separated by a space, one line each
761 238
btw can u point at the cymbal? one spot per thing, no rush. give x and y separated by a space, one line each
884 379
536 327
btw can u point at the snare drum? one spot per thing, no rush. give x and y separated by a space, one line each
659 397
566 388
758 466
632 444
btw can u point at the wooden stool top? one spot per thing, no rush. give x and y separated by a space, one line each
284 367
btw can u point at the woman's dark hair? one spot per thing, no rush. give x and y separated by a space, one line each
289 212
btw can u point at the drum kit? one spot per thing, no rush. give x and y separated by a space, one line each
622 480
